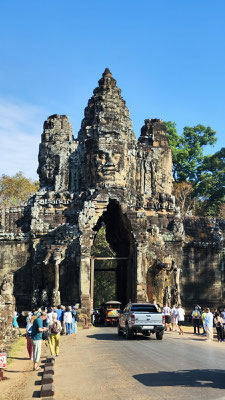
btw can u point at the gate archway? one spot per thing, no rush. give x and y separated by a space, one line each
119 237
107 270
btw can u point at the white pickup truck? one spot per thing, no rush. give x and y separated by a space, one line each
143 318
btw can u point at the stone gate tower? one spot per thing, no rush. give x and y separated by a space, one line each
104 176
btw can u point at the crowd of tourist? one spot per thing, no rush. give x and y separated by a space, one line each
175 316
47 324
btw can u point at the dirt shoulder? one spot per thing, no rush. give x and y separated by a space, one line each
21 378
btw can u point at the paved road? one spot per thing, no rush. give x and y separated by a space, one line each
98 364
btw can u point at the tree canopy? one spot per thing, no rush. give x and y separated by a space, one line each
204 174
16 189
187 150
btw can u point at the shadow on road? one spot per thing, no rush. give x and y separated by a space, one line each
105 336
211 378
114 336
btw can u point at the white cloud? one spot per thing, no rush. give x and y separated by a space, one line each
21 125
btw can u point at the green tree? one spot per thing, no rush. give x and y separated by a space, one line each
16 189
105 279
211 183
187 150
205 174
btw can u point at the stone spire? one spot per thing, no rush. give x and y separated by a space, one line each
106 111
153 133
106 137
56 146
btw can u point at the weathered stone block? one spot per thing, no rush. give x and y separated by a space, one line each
47 379
47 390
49 370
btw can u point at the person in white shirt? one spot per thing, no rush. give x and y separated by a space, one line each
174 318
180 318
49 317
209 325
167 312
68 320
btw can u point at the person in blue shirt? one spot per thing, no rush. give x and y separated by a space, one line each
59 313
74 322
36 337
15 322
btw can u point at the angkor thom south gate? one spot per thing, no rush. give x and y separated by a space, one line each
108 176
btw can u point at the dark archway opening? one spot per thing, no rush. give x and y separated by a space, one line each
114 238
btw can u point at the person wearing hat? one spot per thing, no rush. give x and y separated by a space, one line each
196 315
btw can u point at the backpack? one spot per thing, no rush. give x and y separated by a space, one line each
55 328
76 317
196 314
29 330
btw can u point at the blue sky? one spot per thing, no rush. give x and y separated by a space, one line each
168 57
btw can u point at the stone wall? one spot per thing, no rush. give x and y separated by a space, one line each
7 308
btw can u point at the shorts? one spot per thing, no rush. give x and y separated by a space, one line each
180 323
167 319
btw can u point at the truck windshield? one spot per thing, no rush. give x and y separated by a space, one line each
148 308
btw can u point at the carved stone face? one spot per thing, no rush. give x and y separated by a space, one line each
104 165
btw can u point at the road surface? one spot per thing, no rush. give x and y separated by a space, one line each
99 365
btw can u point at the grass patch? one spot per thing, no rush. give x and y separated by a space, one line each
15 348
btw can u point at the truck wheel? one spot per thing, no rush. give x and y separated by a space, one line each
120 332
159 336
128 333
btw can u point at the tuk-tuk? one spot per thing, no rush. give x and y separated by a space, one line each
111 312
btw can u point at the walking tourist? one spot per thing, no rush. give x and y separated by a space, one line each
49 316
180 318
209 325
29 316
68 320
167 312
59 312
223 316
55 328
174 318
36 337
203 322
29 327
218 321
74 320
15 322
196 315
